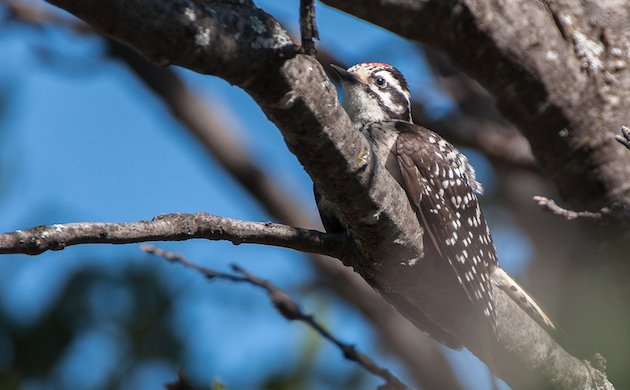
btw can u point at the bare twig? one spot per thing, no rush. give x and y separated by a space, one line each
308 26
171 227
289 310
551 206
616 213
624 138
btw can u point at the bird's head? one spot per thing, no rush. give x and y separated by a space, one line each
374 92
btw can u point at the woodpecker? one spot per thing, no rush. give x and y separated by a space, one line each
440 185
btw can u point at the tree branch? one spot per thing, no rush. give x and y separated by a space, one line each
290 310
172 227
250 49
308 26
424 360
245 46
216 131
615 213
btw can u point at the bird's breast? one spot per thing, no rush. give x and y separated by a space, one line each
382 137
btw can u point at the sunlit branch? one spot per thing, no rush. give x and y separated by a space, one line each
170 227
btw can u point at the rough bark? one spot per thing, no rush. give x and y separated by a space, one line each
245 46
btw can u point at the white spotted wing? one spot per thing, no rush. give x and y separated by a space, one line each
438 182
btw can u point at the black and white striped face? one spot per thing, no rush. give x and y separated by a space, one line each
374 92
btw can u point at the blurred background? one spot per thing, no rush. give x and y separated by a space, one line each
89 131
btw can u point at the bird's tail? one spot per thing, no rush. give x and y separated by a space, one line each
522 298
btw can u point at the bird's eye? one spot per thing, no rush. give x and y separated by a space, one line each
380 81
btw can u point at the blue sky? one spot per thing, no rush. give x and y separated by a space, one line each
82 140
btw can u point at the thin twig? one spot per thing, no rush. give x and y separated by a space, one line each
308 26
171 227
288 308
551 206
616 213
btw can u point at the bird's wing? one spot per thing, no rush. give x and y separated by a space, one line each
437 184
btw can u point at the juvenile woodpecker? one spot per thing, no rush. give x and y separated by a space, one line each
440 185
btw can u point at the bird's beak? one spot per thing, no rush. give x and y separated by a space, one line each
344 75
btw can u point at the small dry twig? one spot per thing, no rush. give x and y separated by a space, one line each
289 310
308 26
616 212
